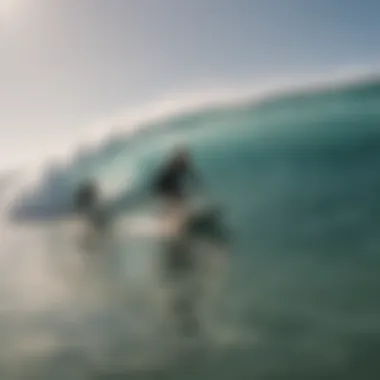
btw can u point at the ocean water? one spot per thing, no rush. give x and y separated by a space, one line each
297 295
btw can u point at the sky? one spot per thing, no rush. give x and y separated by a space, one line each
67 65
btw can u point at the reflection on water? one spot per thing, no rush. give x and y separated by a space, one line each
296 295
290 300
70 308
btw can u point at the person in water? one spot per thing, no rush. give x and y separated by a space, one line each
86 203
171 186
86 197
171 183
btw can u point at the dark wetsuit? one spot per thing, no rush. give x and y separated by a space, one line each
171 182
86 204
86 197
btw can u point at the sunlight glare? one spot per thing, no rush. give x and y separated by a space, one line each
8 10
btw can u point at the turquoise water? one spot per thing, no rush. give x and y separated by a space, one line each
298 177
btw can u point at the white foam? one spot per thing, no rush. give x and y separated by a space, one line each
175 103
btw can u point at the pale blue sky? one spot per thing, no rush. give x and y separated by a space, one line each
64 64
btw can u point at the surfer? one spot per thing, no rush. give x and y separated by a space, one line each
86 197
86 203
170 184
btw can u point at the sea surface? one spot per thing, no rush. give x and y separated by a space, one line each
298 179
